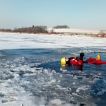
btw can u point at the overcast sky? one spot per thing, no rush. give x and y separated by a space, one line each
86 14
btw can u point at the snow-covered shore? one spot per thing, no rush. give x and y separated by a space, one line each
22 41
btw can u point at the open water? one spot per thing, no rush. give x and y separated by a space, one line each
39 73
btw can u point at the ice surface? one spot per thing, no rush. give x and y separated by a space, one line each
20 41
22 83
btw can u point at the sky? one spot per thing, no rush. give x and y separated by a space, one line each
86 14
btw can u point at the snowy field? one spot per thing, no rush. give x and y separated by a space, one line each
30 73
22 41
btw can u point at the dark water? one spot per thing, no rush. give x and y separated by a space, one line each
40 68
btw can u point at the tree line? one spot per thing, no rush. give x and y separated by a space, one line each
32 29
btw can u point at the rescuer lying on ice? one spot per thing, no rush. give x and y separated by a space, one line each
72 60
75 62
96 61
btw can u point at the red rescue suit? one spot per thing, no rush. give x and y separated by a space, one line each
76 62
95 61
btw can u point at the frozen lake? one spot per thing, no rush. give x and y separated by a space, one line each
36 74
30 73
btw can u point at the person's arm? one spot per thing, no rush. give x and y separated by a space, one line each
85 61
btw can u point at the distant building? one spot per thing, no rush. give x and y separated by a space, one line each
72 31
102 33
